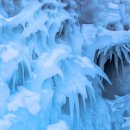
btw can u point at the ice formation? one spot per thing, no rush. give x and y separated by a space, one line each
64 65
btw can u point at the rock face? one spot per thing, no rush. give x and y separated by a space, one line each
120 82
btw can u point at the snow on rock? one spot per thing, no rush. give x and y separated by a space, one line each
61 125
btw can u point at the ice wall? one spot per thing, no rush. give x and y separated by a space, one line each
48 78
47 82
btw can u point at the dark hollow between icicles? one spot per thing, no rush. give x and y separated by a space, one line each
120 82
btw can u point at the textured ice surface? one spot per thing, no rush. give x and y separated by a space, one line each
49 79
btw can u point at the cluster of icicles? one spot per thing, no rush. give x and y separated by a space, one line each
45 74
44 77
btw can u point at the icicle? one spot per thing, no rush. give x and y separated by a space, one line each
126 48
116 62
102 61
22 67
99 53
111 53
100 83
77 109
91 92
71 104
118 51
27 64
106 50
84 103
126 55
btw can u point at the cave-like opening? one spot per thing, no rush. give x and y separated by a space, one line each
120 81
